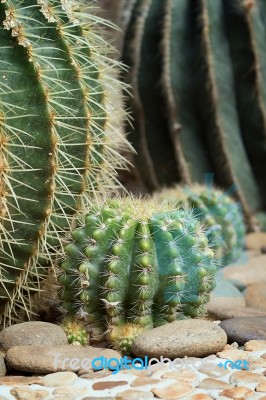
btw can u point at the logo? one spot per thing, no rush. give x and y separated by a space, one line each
238 364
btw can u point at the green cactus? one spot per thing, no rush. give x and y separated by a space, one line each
219 213
135 261
75 331
199 99
60 139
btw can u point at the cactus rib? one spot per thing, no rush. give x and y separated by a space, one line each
221 120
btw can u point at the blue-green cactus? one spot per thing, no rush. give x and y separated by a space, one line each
221 215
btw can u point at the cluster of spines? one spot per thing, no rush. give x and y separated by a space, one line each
218 42
59 142
123 268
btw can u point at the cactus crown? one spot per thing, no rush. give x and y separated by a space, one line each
59 134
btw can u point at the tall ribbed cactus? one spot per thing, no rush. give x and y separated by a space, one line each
59 135
199 94
135 261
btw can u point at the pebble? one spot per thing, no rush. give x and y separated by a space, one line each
225 294
65 390
144 381
212 383
196 381
108 384
133 395
261 387
255 240
94 375
241 330
231 353
32 333
47 359
65 378
237 393
220 313
255 295
242 377
21 393
191 337
255 345
249 254
183 375
213 371
257 363
2 365
95 398
174 391
21 380
253 271
200 396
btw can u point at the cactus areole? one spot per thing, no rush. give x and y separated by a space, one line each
58 143
135 261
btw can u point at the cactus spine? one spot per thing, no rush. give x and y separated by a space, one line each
220 214
59 145
135 261
207 94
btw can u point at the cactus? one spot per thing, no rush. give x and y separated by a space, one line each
199 98
219 213
75 331
134 261
60 138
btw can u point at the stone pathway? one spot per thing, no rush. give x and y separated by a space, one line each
212 377
206 365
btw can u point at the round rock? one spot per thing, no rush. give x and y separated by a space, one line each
64 378
32 333
221 313
251 271
255 240
241 330
2 365
225 294
191 337
47 359
255 295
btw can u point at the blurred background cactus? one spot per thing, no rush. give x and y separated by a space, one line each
61 116
219 213
133 264
198 78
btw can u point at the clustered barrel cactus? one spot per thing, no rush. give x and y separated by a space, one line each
199 102
59 137
220 214
135 263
